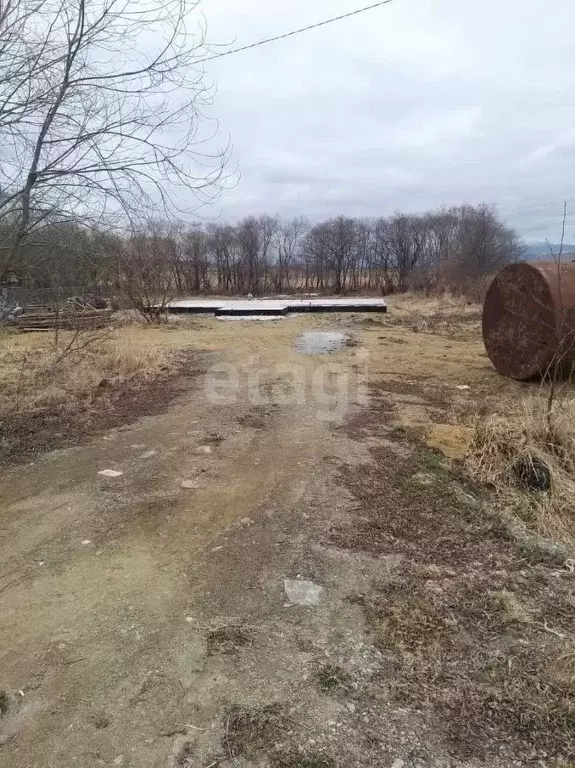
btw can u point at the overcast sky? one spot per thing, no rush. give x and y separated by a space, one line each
410 106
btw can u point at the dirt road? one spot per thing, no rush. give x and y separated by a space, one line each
145 619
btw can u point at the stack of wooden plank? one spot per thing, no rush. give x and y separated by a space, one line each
66 320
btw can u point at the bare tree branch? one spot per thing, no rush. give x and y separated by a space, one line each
105 97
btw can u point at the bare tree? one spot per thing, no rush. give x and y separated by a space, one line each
341 240
441 245
145 276
192 265
485 243
220 246
254 237
100 114
288 236
360 266
249 246
452 249
407 236
380 256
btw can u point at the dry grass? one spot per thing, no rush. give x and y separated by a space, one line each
441 350
483 661
447 315
474 629
333 678
297 760
269 732
33 378
443 305
519 427
52 397
229 639
531 433
250 732
510 607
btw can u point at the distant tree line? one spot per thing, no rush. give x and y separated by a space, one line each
447 248
92 144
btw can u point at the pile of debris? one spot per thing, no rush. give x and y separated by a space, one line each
86 302
75 313
67 319
10 314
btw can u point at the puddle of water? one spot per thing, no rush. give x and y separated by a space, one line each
320 342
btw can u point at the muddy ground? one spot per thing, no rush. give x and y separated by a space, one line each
144 618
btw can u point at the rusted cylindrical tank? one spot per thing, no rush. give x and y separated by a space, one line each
529 319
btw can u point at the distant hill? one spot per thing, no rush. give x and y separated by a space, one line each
541 251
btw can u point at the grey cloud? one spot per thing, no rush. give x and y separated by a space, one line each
412 106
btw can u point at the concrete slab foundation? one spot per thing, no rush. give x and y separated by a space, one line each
273 307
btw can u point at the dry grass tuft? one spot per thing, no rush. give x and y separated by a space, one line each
251 732
297 760
227 640
332 678
511 608
268 732
536 436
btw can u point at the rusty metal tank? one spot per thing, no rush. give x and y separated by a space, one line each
529 319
